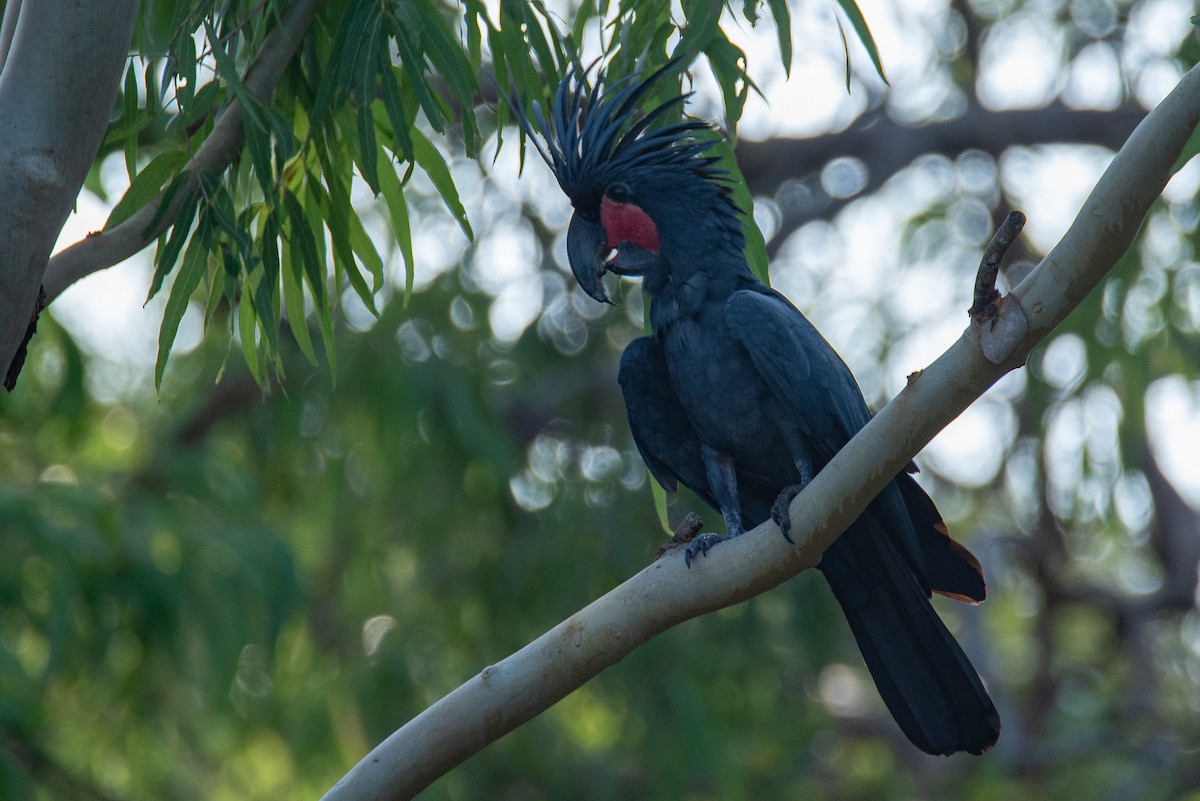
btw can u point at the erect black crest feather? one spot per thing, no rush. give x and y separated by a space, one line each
595 134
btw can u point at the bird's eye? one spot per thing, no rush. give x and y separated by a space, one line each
618 193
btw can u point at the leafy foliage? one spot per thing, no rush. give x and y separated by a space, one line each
277 233
206 592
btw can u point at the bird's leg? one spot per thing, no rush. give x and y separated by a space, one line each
779 509
722 480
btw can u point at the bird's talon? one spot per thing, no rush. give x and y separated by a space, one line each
780 510
700 545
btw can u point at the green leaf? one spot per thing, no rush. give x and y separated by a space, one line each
246 325
845 49
434 165
393 197
218 281
168 196
783 27
703 22
366 157
331 71
660 503
397 114
368 166
756 247
582 16
146 186
306 252
534 38
305 247
450 62
368 62
472 11
195 263
262 284
268 241
129 104
292 271
408 44
121 133
199 109
728 64
362 33
229 74
341 218
220 212
258 143
1190 149
549 51
285 141
169 253
184 64
364 248
859 23
154 94
660 37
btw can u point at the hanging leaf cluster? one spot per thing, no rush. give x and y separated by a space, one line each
379 90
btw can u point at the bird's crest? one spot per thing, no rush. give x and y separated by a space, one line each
596 134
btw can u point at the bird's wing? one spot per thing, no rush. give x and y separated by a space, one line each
800 367
661 430
809 379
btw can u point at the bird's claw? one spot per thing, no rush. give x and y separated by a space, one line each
700 545
780 513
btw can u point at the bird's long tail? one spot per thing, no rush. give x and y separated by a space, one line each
926 680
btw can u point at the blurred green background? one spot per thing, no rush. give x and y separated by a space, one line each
219 592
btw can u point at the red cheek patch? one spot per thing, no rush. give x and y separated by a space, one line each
626 222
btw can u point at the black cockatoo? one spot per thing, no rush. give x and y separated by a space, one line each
740 398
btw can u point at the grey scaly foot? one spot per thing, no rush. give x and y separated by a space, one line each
779 510
701 544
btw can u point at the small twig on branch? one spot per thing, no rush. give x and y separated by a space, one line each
989 266
685 532
505 695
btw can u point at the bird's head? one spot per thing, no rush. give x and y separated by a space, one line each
641 184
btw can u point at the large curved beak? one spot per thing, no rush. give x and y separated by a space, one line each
586 243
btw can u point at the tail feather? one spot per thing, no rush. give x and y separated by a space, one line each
922 674
950 568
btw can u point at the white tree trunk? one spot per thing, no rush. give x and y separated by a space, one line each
61 62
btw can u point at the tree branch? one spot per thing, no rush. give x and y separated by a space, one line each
62 64
886 147
505 695
103 250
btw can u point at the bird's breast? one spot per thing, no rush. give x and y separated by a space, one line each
725 399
